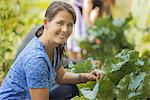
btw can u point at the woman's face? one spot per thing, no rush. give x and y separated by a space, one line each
60 27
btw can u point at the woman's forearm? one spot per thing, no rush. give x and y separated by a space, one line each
64 77
73 78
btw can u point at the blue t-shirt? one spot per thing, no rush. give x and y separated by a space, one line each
32 69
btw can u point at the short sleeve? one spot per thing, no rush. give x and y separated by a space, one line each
37 73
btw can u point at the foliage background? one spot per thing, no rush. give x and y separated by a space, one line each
17 18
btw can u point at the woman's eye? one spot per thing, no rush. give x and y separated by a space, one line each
60 23
71 25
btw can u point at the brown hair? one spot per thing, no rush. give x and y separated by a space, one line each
54 8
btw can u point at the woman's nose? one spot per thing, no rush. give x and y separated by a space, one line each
65 28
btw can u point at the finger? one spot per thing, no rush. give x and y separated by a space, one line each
97 71
93 78
98 74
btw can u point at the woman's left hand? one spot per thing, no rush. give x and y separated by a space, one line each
94 75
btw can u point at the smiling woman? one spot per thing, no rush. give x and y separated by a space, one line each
38 69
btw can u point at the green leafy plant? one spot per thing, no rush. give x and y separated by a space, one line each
86 67
126 76
106 38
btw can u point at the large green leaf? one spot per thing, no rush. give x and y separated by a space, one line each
90 94
106 89
122 88
136 81
122 64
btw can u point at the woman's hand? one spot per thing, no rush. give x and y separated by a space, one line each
95 75
92 76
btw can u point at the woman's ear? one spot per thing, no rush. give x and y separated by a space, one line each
45 23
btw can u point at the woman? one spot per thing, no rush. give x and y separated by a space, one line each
38 66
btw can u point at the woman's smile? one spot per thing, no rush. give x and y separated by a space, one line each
62 36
